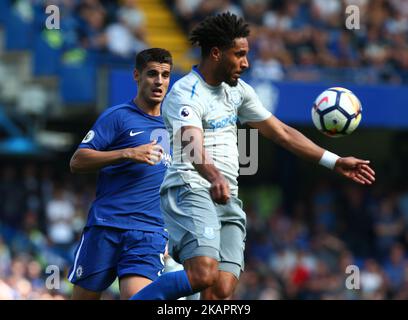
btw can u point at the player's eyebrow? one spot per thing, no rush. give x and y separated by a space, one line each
241 52
152 71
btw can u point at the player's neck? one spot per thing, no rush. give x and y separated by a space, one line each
151 110
208 74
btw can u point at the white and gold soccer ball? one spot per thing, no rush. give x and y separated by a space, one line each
336 112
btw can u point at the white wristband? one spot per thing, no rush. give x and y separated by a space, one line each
329 159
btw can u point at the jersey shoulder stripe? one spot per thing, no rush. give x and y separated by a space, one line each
186 83
193 89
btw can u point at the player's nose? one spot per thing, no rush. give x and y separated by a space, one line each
158 80
244 63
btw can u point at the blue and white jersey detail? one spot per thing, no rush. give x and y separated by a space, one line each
224 122
127 194
215 110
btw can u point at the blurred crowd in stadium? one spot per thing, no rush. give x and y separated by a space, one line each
94 25
298 39
294 39
299 251
291 39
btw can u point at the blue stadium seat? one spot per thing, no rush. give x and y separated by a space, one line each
78 82
19 33
46 59
4 10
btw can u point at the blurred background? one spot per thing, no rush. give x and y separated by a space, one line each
305 224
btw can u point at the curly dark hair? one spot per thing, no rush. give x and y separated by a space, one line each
218 31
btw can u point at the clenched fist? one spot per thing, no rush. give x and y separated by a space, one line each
220 191
150 153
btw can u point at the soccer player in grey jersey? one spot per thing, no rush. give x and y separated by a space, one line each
199 200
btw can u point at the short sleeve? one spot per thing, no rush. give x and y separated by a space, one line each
103 132
252 109
179 112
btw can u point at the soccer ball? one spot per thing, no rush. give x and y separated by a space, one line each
336 112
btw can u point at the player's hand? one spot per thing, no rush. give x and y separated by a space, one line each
150 153
355 169
220 191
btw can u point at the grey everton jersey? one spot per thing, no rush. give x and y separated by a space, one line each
215 110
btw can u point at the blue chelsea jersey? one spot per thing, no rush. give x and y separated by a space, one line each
127 194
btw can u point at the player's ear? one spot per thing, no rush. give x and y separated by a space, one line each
136 75
215 54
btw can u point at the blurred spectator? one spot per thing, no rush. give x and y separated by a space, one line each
228 5
271 289
324 204
388 226
324 284
403 208
60 213
186 9
6 292
356 222
250 284
395 267
400 6
372 281
92 25
328 12
12 192
31 189
5 257
254 10
127 36
266 65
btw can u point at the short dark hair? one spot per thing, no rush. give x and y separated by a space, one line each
153 54
219 31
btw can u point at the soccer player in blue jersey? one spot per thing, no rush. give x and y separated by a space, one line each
124 235
199 195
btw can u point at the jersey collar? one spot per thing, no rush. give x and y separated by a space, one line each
201 77
132 103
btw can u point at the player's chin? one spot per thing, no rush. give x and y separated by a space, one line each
232 82
156 99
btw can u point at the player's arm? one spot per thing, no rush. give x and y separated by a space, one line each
192 143
86 160
291 139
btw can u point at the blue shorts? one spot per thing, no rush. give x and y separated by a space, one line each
105 253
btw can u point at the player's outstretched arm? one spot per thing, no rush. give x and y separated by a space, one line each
291 139
89 160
